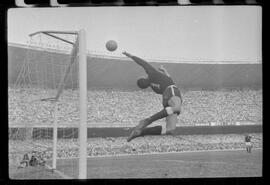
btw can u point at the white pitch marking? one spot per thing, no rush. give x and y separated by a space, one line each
198 162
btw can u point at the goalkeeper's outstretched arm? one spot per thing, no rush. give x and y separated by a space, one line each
149 69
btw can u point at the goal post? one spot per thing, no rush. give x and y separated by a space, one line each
80 48
83 105
50 93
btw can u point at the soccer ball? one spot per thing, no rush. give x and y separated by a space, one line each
111 45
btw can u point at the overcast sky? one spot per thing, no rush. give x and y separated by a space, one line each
216 33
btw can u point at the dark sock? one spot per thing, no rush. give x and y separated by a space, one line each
152 130
161 114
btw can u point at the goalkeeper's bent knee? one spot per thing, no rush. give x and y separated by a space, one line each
170 111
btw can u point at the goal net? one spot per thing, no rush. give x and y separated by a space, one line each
44 108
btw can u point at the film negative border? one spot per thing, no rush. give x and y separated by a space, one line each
68 3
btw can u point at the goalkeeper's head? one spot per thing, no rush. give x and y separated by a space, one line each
143 83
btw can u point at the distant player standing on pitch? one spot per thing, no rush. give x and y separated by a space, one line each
248 143
161 83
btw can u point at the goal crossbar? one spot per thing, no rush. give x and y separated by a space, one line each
59 38
55 32
49 33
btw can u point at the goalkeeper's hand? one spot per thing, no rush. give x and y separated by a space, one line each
127 54
161 68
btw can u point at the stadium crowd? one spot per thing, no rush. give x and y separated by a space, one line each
68 148
119 106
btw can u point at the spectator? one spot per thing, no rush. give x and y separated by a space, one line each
25 161
248 143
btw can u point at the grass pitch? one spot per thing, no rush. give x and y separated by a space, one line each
195 164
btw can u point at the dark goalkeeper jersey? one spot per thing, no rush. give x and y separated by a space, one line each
247 138
158 80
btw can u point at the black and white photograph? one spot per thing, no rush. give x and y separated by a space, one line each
135 92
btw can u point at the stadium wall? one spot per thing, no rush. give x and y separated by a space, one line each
67 133
115 73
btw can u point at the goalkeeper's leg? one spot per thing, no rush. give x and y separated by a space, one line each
167 129
171 120
174 107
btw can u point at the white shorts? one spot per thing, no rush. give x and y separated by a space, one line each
248 144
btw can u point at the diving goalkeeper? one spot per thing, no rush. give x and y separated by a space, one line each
161 83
